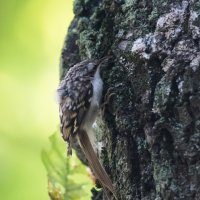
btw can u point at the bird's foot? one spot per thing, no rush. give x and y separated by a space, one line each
109 94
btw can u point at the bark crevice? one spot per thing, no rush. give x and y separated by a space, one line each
151 126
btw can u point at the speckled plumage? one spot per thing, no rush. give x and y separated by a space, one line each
74 95
79 96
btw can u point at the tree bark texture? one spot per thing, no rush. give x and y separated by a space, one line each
150 130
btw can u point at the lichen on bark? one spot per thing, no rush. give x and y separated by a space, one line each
151 127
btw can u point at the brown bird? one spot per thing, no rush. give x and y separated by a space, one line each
79 96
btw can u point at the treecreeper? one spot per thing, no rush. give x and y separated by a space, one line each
79 96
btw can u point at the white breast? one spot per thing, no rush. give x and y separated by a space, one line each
94 108
95 101
97 88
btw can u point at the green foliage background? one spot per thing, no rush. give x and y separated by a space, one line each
31 37
68 179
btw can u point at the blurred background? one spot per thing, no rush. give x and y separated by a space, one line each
32 33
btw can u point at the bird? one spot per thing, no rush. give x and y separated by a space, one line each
79 97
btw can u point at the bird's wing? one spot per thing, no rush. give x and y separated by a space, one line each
74 100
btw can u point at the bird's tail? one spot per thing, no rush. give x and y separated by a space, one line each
94 162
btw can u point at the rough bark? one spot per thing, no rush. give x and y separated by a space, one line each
151 127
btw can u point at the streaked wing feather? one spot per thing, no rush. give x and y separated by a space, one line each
75 96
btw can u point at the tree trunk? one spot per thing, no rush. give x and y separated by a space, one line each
151 126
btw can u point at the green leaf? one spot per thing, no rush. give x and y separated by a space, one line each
68 178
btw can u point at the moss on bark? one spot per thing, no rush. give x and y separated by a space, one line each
151 127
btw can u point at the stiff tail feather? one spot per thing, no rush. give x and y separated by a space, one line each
94 162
